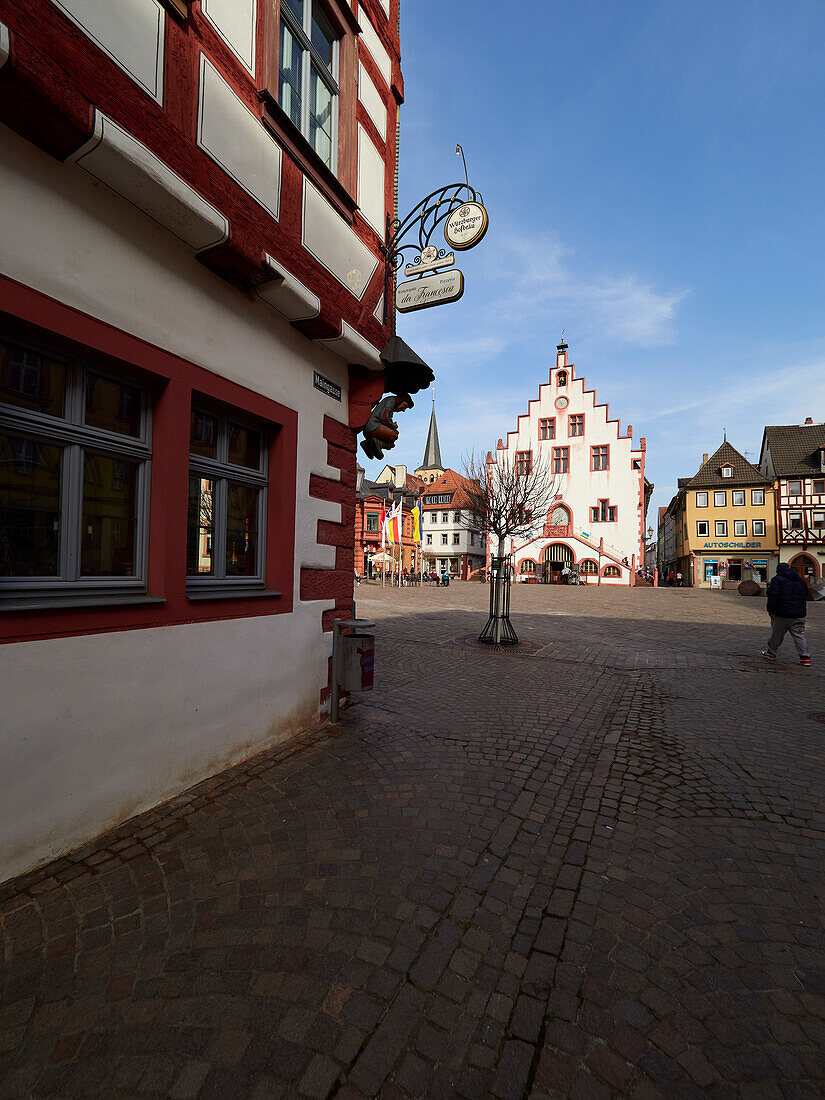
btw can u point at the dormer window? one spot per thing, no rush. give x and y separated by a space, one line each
819 458
561 378
727 470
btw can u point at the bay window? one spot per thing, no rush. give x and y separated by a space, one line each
74 476
227 500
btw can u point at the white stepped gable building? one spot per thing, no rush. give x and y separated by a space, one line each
597 521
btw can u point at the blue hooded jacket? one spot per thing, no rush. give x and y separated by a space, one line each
787 594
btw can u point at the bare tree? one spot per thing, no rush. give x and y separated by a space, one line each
508 498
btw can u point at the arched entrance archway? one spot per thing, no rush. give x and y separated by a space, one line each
805 566
553 559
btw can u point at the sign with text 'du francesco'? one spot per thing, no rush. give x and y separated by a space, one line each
432 290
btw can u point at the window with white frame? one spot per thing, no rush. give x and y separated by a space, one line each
456 517
795 521
720 498
737 498
757 496
819 485
75 451
727 471
740 528
445 517
819 519
702 528
456 540
721 527
308 74
701 500
758 527
226 520
444 540
429 540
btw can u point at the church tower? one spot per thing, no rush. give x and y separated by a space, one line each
432 467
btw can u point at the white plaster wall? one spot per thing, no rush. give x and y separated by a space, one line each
369 37
98 727
130 32
236 139
371 182
331 241
371 98
234 20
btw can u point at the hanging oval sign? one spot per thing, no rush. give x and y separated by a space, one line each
466 226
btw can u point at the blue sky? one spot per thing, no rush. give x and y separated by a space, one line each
653 173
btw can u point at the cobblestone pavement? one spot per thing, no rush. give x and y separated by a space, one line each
591 867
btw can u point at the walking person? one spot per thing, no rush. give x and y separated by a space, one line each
787 607
678 580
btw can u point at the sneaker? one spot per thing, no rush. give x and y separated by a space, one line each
804 660
766 653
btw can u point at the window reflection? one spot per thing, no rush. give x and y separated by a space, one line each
200 529
109 516
241 530
112 405
244 446
31 380
29 507
203 434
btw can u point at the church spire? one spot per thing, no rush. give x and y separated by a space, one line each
432 451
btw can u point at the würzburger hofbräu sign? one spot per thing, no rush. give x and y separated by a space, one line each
432 290
466 226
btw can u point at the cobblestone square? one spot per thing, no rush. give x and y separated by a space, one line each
593 866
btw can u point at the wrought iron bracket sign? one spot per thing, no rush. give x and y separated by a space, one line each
430 290
457 207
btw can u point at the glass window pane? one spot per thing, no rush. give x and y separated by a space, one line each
290 64
241 530
320 118
244 446
322 37
31 380
297 9
29 507
200 528
112 405
109 519
203 434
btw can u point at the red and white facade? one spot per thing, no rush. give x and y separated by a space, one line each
597 521
191 293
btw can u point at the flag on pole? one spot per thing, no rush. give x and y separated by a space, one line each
383 525
417 516
393 525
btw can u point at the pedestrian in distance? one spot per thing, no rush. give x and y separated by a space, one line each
678 580
671 577
787 607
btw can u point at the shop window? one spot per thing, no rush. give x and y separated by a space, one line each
575 424
372 521
758 528
524 463
794 488
74 476
795 521
737 498
721 527
547 428
600 457
612 571
561 460
740 528
734 570
701 500
719 498
757 496
702 528
226 517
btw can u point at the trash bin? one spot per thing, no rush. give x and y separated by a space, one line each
357 661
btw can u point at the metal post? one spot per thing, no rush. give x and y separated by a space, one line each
336 670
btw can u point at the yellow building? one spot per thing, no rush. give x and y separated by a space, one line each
725 523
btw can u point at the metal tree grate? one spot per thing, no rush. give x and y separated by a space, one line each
499 630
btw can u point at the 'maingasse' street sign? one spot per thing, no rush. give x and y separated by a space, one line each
432 290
